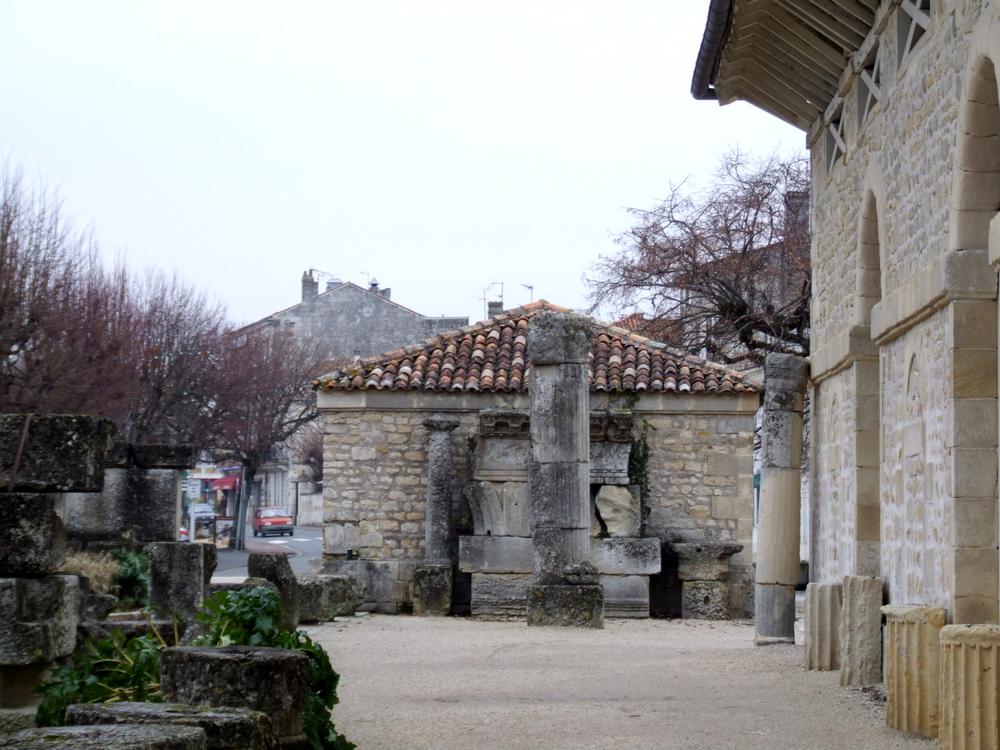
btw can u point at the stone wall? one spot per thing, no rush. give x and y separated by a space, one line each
912 453
700 473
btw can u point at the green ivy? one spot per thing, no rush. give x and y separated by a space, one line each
638 464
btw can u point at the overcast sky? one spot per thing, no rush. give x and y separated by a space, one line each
436 146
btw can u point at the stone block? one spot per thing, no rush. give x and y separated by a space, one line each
32 538
432 589
324 597
238 728
494 554
180 574
705 600
500 597
98 516
559 416
609 462
619 556
59 453
861 631
276 569
969 711
271 680
774 613
823 605
554 338
557 549
626 596
152 504
619 510
40 618
339 537
499 508
502 459
15 719
912 668
162 456
125 737
566 605
560 495
704 561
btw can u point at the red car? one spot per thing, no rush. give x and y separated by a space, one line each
274 520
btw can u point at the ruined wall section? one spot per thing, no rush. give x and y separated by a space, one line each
374 464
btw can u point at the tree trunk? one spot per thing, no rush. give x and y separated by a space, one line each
246 478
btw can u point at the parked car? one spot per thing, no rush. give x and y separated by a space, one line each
273 520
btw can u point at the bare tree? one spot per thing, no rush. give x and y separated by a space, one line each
265 400
724 270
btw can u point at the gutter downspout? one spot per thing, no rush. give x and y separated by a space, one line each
712 42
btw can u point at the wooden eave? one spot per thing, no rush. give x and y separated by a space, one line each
790 57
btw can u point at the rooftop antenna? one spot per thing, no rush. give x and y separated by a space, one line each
531 290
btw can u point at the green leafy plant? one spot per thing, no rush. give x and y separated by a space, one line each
252 617
132 577
638 464
117 668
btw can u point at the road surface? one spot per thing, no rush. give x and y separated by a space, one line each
303 548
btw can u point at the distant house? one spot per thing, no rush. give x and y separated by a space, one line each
346 322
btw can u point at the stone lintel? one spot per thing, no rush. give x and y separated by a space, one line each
58 453
611 556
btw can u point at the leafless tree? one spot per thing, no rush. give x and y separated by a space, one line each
722 271
265 400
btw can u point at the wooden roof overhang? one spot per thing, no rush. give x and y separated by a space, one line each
791 58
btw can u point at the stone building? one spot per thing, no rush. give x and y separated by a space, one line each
345 321
899 103
696 419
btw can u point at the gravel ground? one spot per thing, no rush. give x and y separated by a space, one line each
439 684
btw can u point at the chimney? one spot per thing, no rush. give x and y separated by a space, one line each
310 286
332 283
494 308
385 292
797 212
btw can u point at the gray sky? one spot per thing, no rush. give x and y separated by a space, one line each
438 146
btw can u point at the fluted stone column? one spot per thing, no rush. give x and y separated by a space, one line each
433 580
785 378
566 589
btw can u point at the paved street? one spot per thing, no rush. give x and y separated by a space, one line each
305 547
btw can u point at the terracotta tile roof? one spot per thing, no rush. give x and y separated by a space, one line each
492 356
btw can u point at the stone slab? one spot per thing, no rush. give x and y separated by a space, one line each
59 453
611 556
619 509
626 596
180 574
861 632
270 680
223 727
432 589
15 719
32 537
499 508
566 605
500 596
502 459
609 462
124 737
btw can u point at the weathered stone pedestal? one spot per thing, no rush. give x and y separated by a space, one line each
236 728
566 589
703 569
433 579
912 668
276 569
432 589
823 613
970 687
180 574
270 680
785 379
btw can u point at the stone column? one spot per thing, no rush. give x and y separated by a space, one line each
433 580
785 378
566 588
